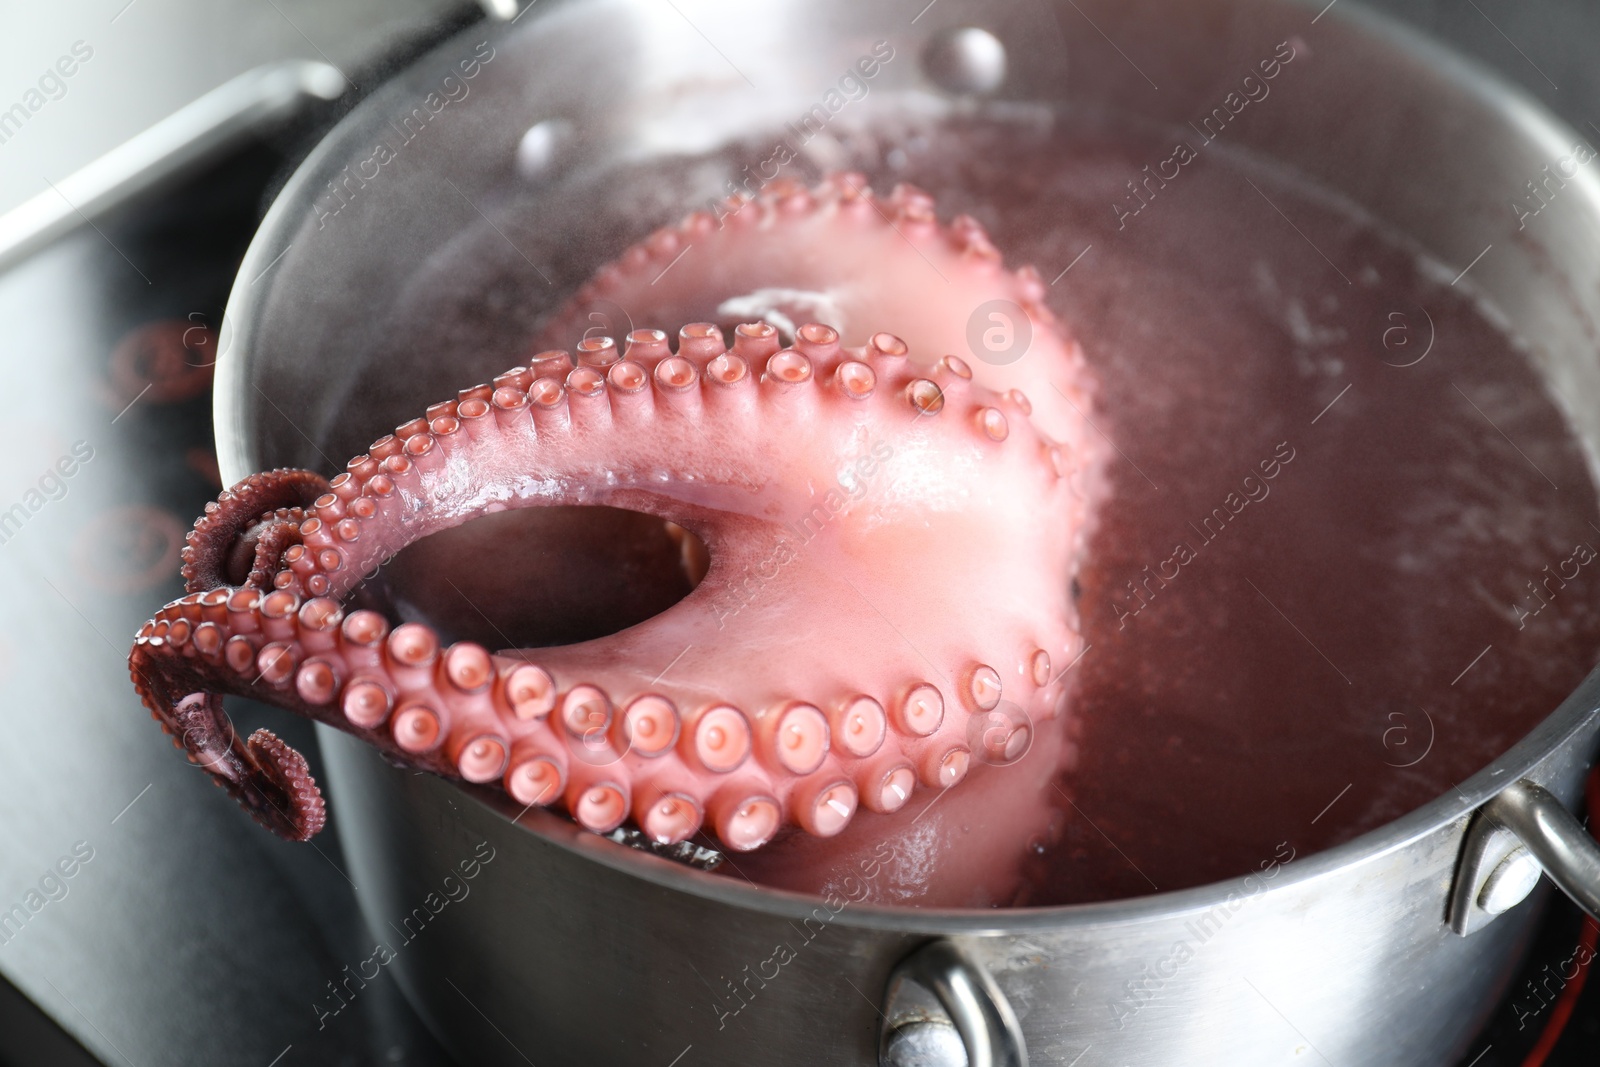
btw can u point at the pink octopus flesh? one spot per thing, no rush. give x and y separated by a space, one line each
892 533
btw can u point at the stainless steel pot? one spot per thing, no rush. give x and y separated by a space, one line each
563 948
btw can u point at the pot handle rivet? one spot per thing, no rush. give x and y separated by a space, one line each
942 1009
1509 884
965 61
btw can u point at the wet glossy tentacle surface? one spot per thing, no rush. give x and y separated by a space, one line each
891 534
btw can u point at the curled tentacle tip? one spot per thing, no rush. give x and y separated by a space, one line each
292 805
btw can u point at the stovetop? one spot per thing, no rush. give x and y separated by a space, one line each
183 935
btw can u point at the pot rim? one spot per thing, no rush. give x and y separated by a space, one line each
1512 103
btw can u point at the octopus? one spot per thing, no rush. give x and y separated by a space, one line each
880 534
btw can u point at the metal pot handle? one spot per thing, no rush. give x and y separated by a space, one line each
1555 837
974 1005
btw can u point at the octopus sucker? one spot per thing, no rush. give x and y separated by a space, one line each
840 253
882 538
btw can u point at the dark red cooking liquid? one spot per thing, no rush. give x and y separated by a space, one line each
1318 639
1336 652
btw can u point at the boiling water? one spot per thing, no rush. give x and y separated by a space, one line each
1323 650
1345 558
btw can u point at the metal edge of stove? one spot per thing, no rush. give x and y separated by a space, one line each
192 137
32 1037
188 138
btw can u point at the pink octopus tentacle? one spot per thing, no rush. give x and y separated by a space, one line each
240 538
901 501
838 252
267 777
